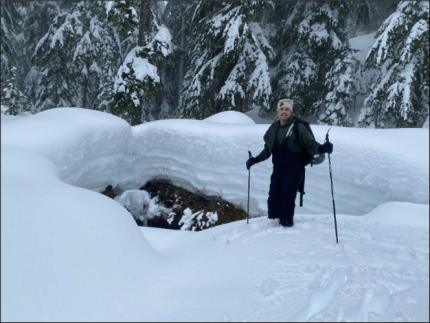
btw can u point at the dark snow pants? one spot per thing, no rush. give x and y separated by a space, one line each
283 192
288 172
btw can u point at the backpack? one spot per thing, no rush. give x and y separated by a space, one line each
306 157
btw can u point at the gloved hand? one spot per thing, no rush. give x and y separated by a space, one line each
327 147
251 161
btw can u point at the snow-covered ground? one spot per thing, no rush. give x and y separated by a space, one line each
69 253
362 44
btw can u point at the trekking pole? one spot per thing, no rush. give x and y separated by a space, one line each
332 194
249 185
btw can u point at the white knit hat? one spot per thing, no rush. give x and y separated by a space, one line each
288 103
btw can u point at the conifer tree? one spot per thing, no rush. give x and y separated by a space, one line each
397 70
137 81
225 55
11 20
367 15
74 57
13 101
229 64
123 17
98 54
176 15
315 66
342 86
38 17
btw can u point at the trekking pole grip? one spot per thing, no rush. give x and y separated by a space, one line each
326 135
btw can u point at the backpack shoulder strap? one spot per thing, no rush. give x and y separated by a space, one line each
296 123
307 127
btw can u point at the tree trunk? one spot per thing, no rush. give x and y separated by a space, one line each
145 22
182 56
84 93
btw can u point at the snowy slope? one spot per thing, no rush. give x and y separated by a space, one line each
262 272
390 165
86 146
66 251
71 254
362 44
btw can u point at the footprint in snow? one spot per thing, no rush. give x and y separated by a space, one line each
269 287
322 296
373 301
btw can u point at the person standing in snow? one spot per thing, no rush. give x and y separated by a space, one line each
282 143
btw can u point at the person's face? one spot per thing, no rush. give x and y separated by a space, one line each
284 113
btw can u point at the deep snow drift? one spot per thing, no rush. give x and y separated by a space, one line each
71 254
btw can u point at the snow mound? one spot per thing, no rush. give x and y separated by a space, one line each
389 165
86 145
401 213
93 149
67 251
233 117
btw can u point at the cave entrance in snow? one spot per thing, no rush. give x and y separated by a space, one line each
159 203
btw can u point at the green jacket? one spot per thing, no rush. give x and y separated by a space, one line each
277 134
